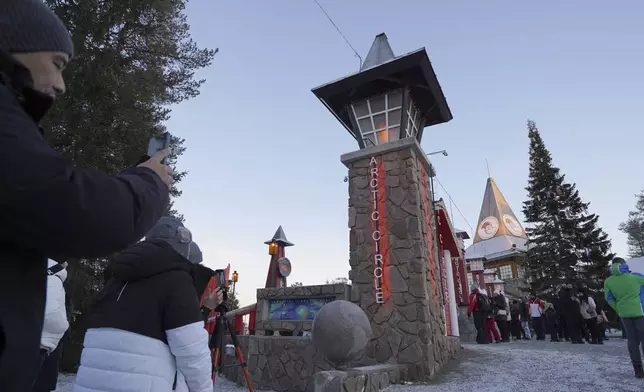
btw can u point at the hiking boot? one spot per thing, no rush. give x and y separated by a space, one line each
639 371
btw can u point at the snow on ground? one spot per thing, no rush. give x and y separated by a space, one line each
531 366
526 366
66 381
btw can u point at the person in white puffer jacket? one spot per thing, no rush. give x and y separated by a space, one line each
54 327
56 323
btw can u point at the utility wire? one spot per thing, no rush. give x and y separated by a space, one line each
455 205
338 29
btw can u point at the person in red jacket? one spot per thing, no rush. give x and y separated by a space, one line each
481 308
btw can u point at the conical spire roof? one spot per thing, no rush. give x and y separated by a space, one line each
279 236
379 53
498 231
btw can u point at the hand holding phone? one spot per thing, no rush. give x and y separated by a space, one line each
159 143
155 163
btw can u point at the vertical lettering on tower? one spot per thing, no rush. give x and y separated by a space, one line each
379 237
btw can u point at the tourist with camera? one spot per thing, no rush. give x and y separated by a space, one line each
49 208
146 329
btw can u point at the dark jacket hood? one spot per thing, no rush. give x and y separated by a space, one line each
147 259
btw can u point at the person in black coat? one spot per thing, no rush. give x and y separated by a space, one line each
552 320
148 317
49 208
572 312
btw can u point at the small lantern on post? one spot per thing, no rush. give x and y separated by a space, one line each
235 279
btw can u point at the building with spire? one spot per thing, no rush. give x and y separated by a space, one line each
499 242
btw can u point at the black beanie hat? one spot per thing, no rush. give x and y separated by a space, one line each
28 26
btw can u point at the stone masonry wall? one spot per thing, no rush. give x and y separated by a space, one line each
278 363
409 328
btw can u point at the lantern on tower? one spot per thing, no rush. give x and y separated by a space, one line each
280 266
389 99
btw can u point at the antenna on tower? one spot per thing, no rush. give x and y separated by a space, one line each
488 168
338 29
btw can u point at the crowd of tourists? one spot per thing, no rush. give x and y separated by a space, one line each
573 316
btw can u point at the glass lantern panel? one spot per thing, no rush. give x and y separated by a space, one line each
394 133
380 121
382 137
377 104
394 99
369 140
394 117
361 109
365 125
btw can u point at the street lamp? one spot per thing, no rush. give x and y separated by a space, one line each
431 179
235 279
444 152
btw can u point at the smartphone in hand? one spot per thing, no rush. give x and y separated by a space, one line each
159 143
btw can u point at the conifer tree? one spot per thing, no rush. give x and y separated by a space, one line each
565 246
634 228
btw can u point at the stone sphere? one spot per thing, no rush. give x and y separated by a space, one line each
341 331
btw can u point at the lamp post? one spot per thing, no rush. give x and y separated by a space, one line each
234 280
431 179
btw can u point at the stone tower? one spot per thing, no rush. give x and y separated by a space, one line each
395 265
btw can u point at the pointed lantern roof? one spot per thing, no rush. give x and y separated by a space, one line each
379 53
279 237
498 233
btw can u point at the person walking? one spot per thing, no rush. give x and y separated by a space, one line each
146 329
49 207
479 307
537 307
525 320
624 293
500 315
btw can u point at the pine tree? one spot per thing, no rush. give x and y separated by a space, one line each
633 227
565 246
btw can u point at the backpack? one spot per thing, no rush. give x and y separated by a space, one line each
484 302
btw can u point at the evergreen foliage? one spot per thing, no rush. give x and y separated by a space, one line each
565 245
633 227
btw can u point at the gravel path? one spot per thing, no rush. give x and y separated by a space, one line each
531 366
515 367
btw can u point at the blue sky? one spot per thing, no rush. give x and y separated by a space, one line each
263 152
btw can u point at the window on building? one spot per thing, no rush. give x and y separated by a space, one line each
505 272
470 280
520 272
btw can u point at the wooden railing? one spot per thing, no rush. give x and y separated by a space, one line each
238 315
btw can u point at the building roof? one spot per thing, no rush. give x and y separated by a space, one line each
499 233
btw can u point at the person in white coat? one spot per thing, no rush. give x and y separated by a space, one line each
54 327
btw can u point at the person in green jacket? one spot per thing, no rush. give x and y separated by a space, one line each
624 292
